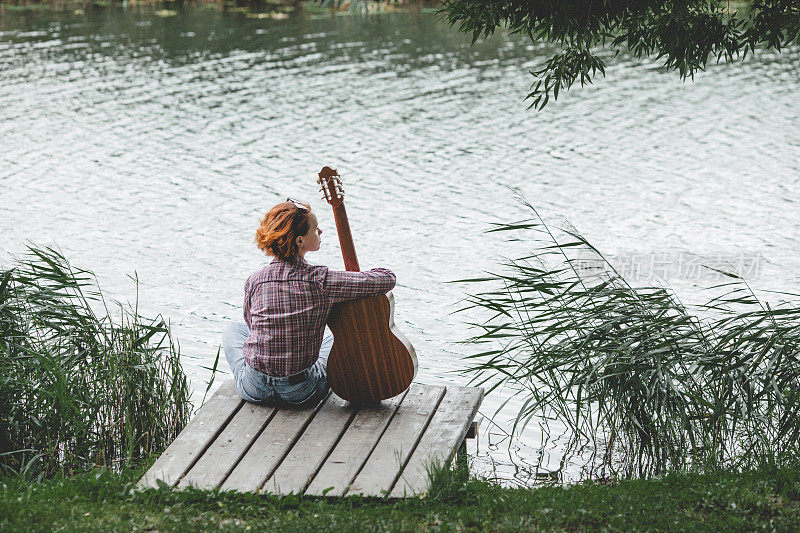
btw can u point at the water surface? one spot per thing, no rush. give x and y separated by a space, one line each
154 145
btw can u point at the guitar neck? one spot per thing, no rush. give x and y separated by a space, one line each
345 238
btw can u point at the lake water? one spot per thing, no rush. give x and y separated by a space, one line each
153 145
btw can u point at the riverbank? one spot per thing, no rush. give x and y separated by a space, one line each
275 8
766 499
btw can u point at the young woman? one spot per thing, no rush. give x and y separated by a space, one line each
278 355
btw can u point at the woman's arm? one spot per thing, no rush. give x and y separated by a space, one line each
246 305
343 285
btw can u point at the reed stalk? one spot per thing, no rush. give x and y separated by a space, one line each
77 388
649 383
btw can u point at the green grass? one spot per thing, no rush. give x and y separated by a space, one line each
765 499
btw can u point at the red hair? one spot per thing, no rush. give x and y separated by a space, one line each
280 227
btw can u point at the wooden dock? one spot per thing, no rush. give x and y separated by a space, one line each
333 449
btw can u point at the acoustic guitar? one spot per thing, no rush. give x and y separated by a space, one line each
370 360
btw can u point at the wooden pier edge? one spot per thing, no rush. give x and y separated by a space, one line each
333 449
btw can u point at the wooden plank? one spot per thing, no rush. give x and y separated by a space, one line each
398 441
354 448
312 448
442 437
226 450
195 437
269 448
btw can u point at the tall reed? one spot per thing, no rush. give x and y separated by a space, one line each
649 383
78 388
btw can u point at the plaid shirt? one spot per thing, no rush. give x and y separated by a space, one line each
286 304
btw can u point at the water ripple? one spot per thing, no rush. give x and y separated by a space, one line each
156 145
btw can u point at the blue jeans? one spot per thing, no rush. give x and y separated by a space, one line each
254 386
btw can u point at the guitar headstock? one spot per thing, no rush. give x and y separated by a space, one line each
331 186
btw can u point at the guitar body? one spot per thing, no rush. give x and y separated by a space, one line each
370 360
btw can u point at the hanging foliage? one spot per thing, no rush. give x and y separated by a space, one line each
685 34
